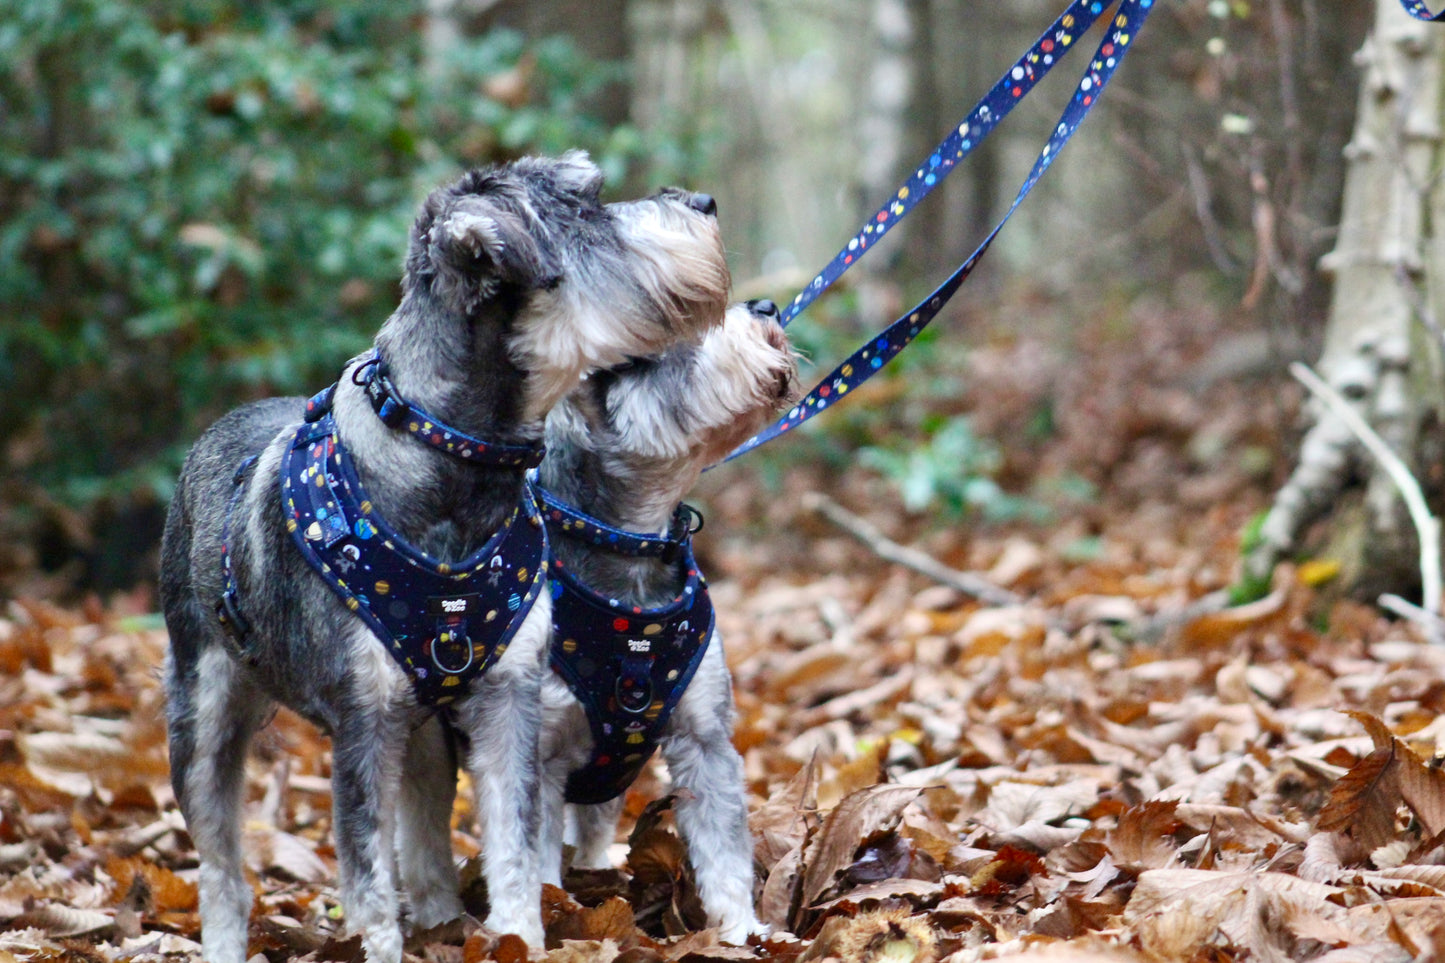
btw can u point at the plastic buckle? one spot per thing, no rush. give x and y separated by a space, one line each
383 396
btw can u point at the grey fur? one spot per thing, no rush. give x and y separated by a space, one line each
518 281
625 448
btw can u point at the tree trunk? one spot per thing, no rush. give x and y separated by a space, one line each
1389 277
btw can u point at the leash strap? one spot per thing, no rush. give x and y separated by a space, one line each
396 412
575 523
884 347
1012 87
1418 10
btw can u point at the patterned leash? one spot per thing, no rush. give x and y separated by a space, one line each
883 347
1418 10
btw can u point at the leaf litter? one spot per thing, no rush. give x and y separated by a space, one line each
1104 771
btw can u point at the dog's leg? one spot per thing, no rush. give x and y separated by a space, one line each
212 712
596 831
424 826
551 825
367 744
712 814
563 736
503 719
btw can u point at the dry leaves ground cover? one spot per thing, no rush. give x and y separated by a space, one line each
1101 771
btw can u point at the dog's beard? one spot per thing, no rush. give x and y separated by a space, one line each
666 283
696 404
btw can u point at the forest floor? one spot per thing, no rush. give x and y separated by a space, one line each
1097 769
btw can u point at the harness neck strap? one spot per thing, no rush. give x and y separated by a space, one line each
577 524
396 412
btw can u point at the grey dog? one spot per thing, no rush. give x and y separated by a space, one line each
622 452
518 281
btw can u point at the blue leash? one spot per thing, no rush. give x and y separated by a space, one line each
883 347
1418 10
1009 90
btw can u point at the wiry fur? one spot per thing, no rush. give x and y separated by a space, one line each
626 447
503 264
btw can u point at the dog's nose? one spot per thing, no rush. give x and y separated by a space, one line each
703 204
763 308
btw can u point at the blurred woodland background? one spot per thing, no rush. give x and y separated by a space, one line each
206 202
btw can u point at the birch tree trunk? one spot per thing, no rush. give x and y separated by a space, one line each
1382 351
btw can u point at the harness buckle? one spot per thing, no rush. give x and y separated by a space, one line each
681 530
383 395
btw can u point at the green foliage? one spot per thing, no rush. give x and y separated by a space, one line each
1251 587
204 202
951 471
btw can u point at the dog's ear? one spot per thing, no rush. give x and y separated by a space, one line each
576 174
472 249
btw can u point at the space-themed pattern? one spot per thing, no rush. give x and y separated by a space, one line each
446 624
574 523
628 666
1008 91
1418 10
396 412
883 347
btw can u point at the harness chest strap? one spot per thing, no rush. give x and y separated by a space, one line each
445 624
628 666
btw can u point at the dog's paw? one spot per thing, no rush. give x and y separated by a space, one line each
738 930
529 930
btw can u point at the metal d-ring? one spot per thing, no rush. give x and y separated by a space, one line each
623 703
471 656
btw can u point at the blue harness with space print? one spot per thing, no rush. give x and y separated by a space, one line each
445 623
627 665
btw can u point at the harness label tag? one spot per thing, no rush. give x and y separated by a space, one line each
445 605
639 645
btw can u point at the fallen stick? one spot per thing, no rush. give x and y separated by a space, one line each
1431 624
1427 525
910 558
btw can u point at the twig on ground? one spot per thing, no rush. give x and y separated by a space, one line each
1427 525
1431 624
910 558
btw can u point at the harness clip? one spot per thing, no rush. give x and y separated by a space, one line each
383 396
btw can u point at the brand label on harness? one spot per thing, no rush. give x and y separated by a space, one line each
454 605
639 645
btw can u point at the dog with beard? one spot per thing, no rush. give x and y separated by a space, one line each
374 556
638 660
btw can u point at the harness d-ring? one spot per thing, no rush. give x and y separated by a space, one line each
633 688
471 655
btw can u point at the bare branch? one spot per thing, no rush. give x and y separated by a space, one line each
910 558
1426 524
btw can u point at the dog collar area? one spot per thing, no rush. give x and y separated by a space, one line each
374 377
628 666
444 623
572 522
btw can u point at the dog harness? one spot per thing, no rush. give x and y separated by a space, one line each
627 665
444 623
